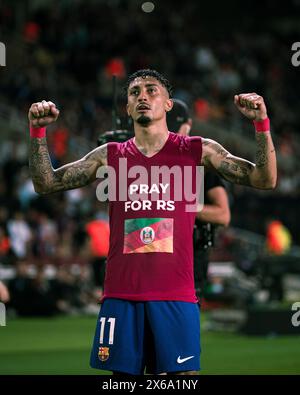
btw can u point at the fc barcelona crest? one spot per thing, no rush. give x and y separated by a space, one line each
103 353
147 235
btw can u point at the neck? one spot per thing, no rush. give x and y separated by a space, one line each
150 139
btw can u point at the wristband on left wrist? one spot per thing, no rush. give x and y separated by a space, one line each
39 132
262 126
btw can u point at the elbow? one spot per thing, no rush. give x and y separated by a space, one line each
226 217
41 189
274 182
37 189
40 192
221 217
270 184
227 221
273 185
266 183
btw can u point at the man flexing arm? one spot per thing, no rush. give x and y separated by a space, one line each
73 175
263 173
216 207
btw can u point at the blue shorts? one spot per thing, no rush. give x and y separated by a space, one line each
163 336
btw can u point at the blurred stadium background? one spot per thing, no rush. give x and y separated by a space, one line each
52 249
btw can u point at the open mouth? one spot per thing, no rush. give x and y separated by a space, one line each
143 107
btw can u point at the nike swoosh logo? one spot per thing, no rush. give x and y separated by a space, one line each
181 360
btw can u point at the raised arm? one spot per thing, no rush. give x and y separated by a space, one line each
263 173
73 175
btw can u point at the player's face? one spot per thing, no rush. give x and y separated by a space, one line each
148 100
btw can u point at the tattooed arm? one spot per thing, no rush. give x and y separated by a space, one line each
263 173
73 175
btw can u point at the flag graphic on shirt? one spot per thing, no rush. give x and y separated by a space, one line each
142 235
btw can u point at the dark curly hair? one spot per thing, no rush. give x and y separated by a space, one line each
149 73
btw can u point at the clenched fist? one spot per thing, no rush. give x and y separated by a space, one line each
251 105
42 114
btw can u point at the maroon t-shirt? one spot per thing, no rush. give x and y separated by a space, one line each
151 246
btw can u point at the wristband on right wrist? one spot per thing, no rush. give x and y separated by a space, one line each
39 132
262 126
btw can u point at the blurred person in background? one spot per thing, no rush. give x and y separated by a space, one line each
6 254
72 290
98 232
47 236
153 287
216 210
19 287
32 292
42 299
20 234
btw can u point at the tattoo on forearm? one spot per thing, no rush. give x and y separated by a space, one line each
39 163
261 156
70 176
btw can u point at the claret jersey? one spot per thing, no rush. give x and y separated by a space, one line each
151 244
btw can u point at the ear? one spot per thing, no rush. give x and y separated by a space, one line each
169 105
127 108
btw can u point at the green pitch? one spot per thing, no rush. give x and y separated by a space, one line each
62 346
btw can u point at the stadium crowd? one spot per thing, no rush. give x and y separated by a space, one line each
69 58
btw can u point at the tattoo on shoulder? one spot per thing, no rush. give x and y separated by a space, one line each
83 171
102 152
216 148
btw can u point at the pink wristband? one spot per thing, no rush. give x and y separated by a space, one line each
37 132
262 126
